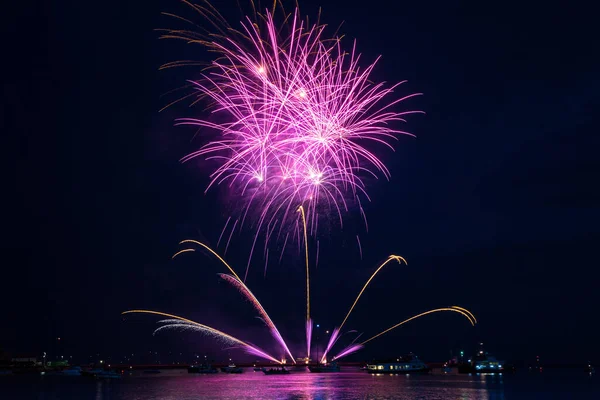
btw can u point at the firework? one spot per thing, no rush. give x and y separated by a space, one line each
296 123
390 258
348 350
241 286
265 317
308 320
296 118
354 348
180 323
332 340
466 314
334 337
184 323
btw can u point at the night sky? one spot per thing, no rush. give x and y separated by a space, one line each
495 204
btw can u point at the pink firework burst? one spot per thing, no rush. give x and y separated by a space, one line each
300 118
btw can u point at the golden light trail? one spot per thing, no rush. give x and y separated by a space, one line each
301 210
206 328
467 311
334 338
308 320
390 258
421 315
213 253
181 251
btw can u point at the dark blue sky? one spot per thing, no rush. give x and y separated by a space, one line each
495 204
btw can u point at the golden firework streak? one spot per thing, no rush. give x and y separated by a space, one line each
213 253
182 251
301 210
390 258
467 314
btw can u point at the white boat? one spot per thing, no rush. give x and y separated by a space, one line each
483 362
486 363
404 365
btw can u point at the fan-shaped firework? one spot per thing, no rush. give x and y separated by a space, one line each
299 121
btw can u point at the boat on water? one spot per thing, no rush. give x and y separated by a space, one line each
152 371
330 367
202 369
483 362
91 372
72 371
232 369
487 364
108 374
257 369
409 364
275 371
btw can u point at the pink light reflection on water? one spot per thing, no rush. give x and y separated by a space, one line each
301 385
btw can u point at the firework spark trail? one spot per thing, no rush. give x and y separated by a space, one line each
333 341
301 210
187 323
356 338
474 320
241 286
308 320
355 347
181 252
214 253
309 329
299 111
359 247
223 231
243 289
348 350
191 327
283 247
230 235
390 258
466 314
334 337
